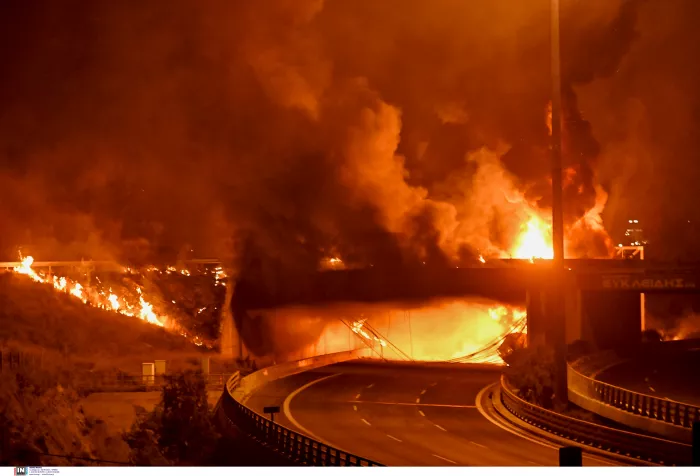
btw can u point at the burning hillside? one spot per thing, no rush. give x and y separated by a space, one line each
34 317
128 295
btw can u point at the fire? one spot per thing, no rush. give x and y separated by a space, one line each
358 328
457 331
124 304
534 241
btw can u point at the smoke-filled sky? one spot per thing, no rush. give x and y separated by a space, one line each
296 129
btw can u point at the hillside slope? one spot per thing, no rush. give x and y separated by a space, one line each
35 318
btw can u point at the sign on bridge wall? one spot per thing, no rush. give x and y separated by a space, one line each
646 283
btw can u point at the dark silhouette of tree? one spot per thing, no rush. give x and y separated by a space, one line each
180 430
531 372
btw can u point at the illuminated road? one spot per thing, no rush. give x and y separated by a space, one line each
405 415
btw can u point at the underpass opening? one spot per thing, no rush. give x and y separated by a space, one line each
437 330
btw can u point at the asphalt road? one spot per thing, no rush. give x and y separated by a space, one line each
671 376
406 415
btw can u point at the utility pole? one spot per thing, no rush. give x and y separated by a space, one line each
557 318
557 198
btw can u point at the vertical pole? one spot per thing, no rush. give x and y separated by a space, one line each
570 456
696 443
642 298
557 199
410 333
557 319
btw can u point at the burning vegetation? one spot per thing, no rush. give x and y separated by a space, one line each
125 296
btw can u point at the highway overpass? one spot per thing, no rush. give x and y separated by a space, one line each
602 303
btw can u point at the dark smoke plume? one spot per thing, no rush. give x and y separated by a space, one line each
292 130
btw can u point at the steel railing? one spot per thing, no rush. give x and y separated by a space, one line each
297 447
662 409
615 441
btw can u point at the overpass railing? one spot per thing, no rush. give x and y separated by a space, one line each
296 446
620 442
648 406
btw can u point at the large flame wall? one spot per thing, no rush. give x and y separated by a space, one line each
435 331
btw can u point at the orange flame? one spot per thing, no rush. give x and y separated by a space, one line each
534 241
107 300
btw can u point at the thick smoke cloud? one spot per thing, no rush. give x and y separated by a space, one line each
288 130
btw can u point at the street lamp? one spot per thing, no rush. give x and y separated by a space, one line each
557 310
557 200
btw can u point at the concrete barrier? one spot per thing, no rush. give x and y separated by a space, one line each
259 378
581 395
660 416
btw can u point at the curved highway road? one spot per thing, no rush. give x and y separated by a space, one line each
406 415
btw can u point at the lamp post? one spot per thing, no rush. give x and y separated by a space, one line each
557 199
557 310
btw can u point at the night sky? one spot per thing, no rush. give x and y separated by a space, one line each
294 129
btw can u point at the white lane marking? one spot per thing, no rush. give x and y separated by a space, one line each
444 459
394 438
354 407
483 412
439 426
357 397
417 400
478 444
423 392
293 421
421 413
417 404
366 422
370 385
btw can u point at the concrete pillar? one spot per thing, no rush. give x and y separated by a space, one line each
536 318
205 365
232 345
573 315
696 443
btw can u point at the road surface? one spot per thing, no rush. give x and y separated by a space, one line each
406 415
662 375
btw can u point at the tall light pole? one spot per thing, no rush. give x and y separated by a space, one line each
557 199
557 313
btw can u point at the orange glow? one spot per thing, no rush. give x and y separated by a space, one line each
357 328
125 304
534 241
457 330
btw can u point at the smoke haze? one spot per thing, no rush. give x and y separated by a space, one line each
288 130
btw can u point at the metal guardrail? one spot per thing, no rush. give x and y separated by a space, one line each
297 447
620 442
649 406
